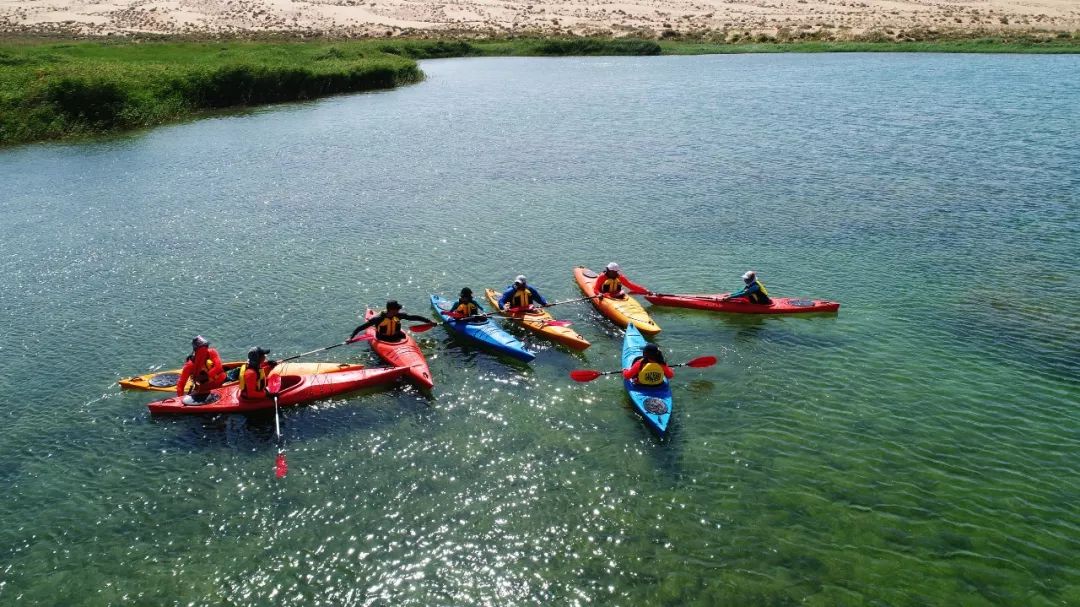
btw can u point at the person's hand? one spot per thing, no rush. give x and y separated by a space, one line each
271 363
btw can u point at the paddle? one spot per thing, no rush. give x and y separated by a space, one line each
502 314
723 297
585 375
559 303
281 467
347 341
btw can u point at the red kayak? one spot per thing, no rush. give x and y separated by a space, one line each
295 389
741 305
404 353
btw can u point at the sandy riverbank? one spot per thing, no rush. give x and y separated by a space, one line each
830 19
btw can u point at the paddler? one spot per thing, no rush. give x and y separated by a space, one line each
612 282
253 375
754 291
465 308
649 369
520 296
204 366
388 324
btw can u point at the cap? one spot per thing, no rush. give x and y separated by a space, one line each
749 275
393 305
651 348
199 341
257 352
466 291
520 280
614 267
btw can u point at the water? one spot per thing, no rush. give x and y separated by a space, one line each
920 447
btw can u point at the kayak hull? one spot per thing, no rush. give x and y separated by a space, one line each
652 403
623 312
537 322
714 302
297 389
404 353
487 333
165 381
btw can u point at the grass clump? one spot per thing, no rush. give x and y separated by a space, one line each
50 91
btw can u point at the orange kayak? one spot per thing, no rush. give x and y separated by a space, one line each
539 321
623 311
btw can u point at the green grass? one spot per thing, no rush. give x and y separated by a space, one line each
63 89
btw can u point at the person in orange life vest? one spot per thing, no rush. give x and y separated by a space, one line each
520 296
465 308
649 369
253 375
753 291
612 281
204 366
388 324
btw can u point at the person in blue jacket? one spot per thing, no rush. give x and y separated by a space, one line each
754 291
521 296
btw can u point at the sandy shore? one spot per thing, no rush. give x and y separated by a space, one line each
834 19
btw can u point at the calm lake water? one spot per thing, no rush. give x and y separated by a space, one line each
922 447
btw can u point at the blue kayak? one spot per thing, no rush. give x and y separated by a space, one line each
653 403
485 332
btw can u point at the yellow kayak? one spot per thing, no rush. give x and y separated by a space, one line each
623 311
165 381
538 321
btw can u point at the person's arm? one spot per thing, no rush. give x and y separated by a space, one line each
536 295
740 293
599 283
505 299
668 373
215 360
415 318
374 320
632 286
634 369
185 375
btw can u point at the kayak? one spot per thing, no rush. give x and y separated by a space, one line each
741 305
485 332
620 311
653 403
537 321
165 381
295 389
404 353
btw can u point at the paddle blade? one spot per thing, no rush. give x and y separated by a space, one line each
584 375
558 323
273 383
281 467
421 328
702 361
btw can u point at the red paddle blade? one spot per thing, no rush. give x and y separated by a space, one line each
558 323
364 337
584 375
702 361
421 328
281 467
273 383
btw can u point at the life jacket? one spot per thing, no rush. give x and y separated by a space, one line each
259 390
761 296
611 285
466 309
522 298
202 361
388 327
651 374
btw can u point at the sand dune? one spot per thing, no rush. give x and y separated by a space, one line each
838 19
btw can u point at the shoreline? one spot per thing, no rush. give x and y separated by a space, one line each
64 88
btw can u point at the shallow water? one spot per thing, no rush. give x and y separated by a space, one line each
920 447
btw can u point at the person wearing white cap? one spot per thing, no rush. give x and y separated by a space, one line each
612 281
520 295
754 291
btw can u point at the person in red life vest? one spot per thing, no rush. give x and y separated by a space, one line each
612 281
465 308
253 375
388 324
203 366
649 369
754 291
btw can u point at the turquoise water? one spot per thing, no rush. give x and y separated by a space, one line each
919 448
